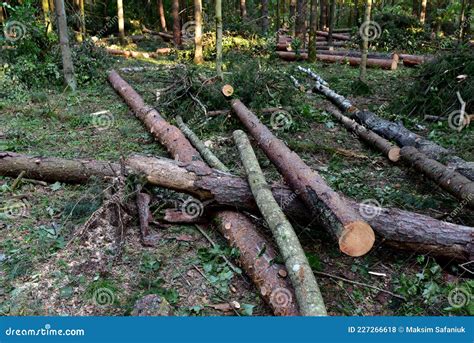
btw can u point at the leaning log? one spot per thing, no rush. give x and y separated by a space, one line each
395 131
308 295
353 61
182 150
449 180
398 228
373 139
354 235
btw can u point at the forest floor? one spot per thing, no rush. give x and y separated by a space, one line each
39 273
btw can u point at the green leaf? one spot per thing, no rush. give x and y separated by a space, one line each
56 186
247 309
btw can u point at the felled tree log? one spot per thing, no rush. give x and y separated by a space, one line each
354 235
225 112
207 154
334 35
353 61
454 183
350 53
182 150
413 60
398 228
396 131
139 54
308 295
387 148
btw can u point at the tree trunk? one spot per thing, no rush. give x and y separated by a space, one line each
206 154
265 16
300 29
46 13
365 42
180 149
353 61
398 133
292 19
68 66
309 298
356 12
398 228
313 27
388 149
323 17
218 10
176 23
332 19
243 9
83 19
161 14
462 21
354 235
415 7
423 11
343 37
198 58
121 21
452 182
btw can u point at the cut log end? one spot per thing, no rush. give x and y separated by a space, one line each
394 154
357 239
227 90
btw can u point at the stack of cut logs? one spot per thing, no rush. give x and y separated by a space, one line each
290 288
337 54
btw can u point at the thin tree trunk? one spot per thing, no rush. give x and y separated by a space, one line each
198 58
218 10
46 13
462 21
332 17
365 42
323 17
68 66
243 9
308 295
83 19
300 30
121 21
277 15
292 19
161 14
398 228
313 27
356 12
207 154
415 7
423 11
354 235
265 16
176 23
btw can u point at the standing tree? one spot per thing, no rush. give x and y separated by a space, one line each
292 18
68 66
176 23
462 21
322 17
365 42
414 8
82 20
198 59
121 21
313 27
300 30
161 14
264 16
332 17
46 13
356 12
423 11
243 9
219 39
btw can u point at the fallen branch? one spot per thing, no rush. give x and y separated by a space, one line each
308 295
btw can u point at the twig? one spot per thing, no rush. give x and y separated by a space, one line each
17 180
359 284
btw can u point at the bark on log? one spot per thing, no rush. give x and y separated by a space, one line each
182 150
397 228
350 53
396 131
414 60
387 148
354 235
334 35
452 182
263 110
206 154
308 295
353 61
